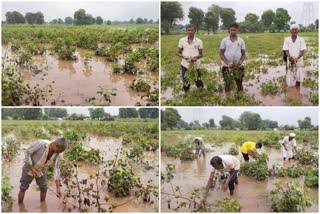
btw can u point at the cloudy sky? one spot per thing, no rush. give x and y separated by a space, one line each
120 10
284 116
295 8
85 111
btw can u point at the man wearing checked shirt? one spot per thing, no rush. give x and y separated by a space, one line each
37 156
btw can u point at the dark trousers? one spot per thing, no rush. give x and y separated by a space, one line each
238 79
232 180
245 156
186 86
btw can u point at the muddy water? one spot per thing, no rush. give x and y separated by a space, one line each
252 195
108 146
75 83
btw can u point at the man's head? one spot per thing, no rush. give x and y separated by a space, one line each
191 29
233 29
294 29
258 145
292 136
216 162
59 145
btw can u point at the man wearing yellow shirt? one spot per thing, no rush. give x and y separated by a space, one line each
248 148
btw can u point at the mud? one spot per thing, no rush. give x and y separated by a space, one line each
252 195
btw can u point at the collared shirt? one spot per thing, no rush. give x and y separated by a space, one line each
229 162
289 144
232 49
201 143
190 50
247 146
36 156
294 48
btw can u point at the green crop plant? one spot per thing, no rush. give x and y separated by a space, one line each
140 85
270 88
65 48
257 169
233 150
9 149
228 205
311 177
6 198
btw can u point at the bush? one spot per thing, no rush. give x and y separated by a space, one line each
228 205
6 199
9 149
233 150
65 48
307 157
257 169
311 177
290 197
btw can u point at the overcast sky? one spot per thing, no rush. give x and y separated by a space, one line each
121 10
85 111
284 116
295 8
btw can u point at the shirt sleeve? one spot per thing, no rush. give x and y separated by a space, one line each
34 147
303 45
285 45
200 44
56 170
180 45
222 45
243 45
294 143
237 164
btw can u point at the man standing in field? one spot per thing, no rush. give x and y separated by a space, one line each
289 146
232 55
294 47
37 157
249 148
226 163
198 143
190 50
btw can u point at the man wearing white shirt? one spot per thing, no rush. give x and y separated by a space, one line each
294 47
199 147
289 146
226 163
190 50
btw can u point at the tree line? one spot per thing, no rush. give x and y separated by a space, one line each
94 113
270 21
80 17
171 119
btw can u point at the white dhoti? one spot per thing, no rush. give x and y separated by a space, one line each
293 75
287 153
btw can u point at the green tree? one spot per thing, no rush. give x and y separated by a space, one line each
96 113
267 18
269 124
169 118
182 124
99 20
305 124
31 113
316 23
250 120
56 112
15 18
171 12
60 21
212 124
81 18
132 21
13 113
148 112
108 22
150 21
68 20
34 18
228 123
227 17
196 16
139 21
281 19
128 113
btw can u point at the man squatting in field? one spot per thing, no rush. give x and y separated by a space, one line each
226 163
294 47
248 148
289 146
232 54
190 50
37 156
198 143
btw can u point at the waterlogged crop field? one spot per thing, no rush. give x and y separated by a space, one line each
118 161
263 186
80 65
264 81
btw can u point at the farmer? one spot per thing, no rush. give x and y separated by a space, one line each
232 54
37 156
190 50
249 148
289 146
198 143
294 47
226 163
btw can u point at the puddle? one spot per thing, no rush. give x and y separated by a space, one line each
252 195
75 83
109 146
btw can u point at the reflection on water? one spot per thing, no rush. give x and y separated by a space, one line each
252 195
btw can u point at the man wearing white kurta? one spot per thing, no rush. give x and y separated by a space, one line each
37 157
199 146
289 146
190 50
294 47
225 163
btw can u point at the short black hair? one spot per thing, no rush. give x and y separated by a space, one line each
259 145
234 24
190 25
216 160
